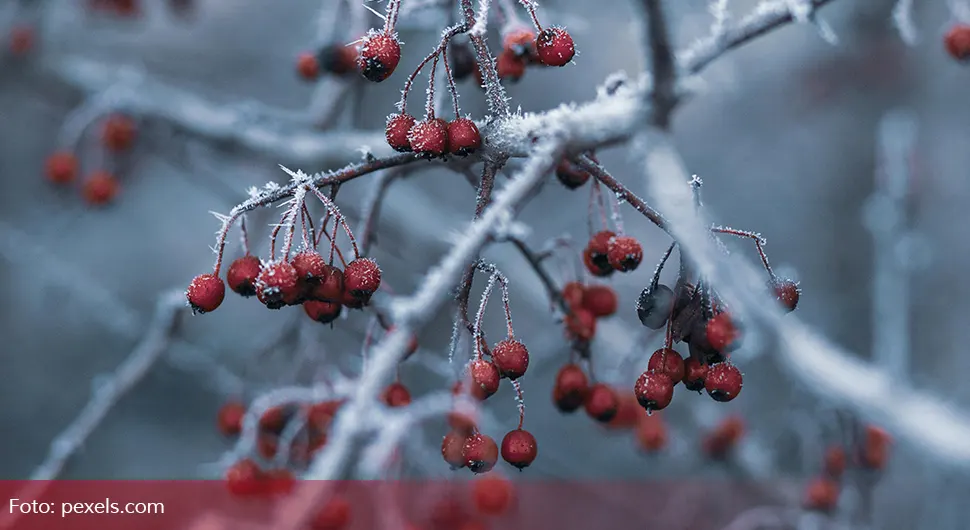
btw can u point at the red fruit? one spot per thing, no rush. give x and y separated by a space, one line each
279 482
379 55
834 462
521 43
244 478
396 395
570 175
602 403
724 437
308 67
273 420
362 278
61 167
335 514
397 130
510 66
957 42
595 255
277 285
572 294
723 381
21 40
118 132
492 494
722 334
350 302
629 411
331 286
311 269
571 388
695 372
511 358
322 312
338 59
555 47
242 275
485 378
463 137
429 137
822 495
580 325
519 448
230 418
205 293
874 452
463 418
600 300
320 415
651 434
480 453
787 292
654 390
667 361
452 446
624 253
100 188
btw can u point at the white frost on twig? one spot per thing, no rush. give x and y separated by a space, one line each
903 19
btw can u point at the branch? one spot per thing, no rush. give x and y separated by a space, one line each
662 62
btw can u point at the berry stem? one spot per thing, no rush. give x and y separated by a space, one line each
596 202
308 220
660 266
299 200
600 174
520 401
496 277
759 243
340 218
451 83
429 105
445 39
244 235
531 8
390 19
303 227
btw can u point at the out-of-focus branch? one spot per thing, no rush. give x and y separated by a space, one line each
663 64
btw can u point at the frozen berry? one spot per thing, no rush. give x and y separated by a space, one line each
322 312
379 55
480 453
510 66
230 418
723 381
571 388
242 275
61 167
396 395
580 324
694 374
277 285
100 188
331 286
555 47
351 302
602 403
205 293
308 67
492 494
462 59
595 255
429 137
463 137
600 300
570 175
485 378
118 132
787 292
957 42
511 358
722 334
521 43
397 130
311 268
624 253
244 478
362 278
654 390
452 446
337 59
654 306
667 361
335 514
519 448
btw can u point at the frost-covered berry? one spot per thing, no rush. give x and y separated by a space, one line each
600 300
311 268
429 137
510 66
322 312
555 47
308 67
362 278
654 305
100 188
379 55
667 361
397 130
571 388
452 446
61 167
654 390
337 59
695 372
396 395
723 381
485 378
722 334
242 275
118 132
462 59
957 42
570 175
205 293
277 285
787 292
480 453
519 448
330 288
511 357
602 403
595 255
624 253
463 137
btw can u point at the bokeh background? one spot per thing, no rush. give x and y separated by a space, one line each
783 134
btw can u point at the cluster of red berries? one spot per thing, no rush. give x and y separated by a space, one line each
334 59
586 304
957 42
523 47
432 137
606 253
118 135
822 493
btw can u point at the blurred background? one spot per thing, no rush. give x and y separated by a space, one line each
784 134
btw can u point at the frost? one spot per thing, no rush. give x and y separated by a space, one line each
903 19
801 10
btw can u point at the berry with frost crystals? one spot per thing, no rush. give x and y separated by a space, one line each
429 137
330 288
555 47
242 275
723 381
205 293
654 390
61 167
624 253
480 453
787 292
463 137
379 55
362 278
654 306
602 403
571 388
511 358
595 255
100 188
519 448
667 361
277 285
397 130
485 378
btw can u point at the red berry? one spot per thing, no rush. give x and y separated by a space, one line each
21 40
834 462
280 482
480 453
452 446
722 334
311 269
510 66
571 388
724 437
628 412
595 255
667 361
695 372
242 275
308 67
654 390
273 420
723 381
519 448
330 288
600 300
379 55
338 59
492 494
580 325
267 445
118 132
396 395
322 312
463 137
570 175
349 301
822 495
602 403
362 278
244 478
277 285
555 47
485 378
572 294
624 253
335 515
429 137
651 434
957 42
787 292
61 167
100 188
397 130
521 43
230 418
205 293
874 452
511 358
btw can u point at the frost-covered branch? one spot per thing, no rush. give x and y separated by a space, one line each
663 64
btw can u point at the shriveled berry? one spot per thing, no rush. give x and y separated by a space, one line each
205 293
519 448
322 312
330 288
600 300
595 255
570 175
787 292
485 378
396 395
624 253
957 41
580 324
571 388
492 494
723 381
667 361
429 137
463 137
337 59
510 66
277 285
462 59
654 306
230 418
821 495
695 372
452 446
308 66
244 478
362 278
335 515
511 357
379 55
572 294
61 167
654 390
100 188
602 403
118 132
242 275
554 47
397 130
480 453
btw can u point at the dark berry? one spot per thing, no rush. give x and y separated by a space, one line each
555 47
595 255
397 130
571 388
462 59
277 285
205 293
570 175
654 390
667 361
602 403
624 253
654 306
242 275
463 137
695 372
519 448
723 381
362 278
379 55
480 453
511 358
